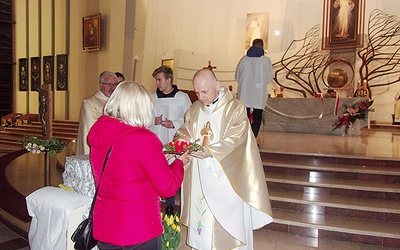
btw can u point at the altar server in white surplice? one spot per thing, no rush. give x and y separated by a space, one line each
253 72
170 105
225 195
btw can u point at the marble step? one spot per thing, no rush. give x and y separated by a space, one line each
376 169
362 208
348 184
336 201
381 233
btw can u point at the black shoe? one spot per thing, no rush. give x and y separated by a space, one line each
169 210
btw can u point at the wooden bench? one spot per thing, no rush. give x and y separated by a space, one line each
10 119
26 119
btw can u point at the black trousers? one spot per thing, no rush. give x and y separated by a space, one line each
153 244
257 119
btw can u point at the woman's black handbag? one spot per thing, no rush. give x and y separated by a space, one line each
83 235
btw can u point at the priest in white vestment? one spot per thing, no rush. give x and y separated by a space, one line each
92 108
225 195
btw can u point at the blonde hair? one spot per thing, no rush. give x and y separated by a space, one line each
131 103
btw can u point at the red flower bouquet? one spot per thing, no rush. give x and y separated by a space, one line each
354 112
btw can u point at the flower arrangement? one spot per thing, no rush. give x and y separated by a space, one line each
37 145
353 112
179 145
172 232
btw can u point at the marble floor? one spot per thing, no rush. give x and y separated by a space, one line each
25 175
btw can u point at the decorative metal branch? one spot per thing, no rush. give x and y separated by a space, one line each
304 66
381 55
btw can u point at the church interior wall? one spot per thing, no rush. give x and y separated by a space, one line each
138 35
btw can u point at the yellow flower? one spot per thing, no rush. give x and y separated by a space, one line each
167 244
178 228
173 226
177 219
169 221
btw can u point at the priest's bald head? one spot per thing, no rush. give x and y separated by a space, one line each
206 86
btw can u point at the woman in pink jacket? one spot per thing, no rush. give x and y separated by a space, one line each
137 174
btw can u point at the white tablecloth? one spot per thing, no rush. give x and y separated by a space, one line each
52 209
78 175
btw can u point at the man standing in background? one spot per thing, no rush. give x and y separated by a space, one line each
92 108
253 72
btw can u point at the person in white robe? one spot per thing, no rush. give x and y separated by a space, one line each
225 195
253 72
92 108
170 106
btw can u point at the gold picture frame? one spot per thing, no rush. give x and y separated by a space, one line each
91 32
343 24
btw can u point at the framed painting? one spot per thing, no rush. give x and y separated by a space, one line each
91 31
35 73
48 71
168 62
343 24
23 74
257 25
62 72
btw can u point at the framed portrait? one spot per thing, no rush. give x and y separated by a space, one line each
48 71
35 73
168 62
23 74
343 24
91 31
257 25
62 72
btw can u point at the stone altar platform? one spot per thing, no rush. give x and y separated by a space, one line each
307 115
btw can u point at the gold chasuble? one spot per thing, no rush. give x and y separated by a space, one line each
229 188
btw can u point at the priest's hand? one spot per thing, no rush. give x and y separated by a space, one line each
167 123
201 154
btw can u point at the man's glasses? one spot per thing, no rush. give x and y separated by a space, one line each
110 84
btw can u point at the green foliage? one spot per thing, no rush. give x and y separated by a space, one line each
37 145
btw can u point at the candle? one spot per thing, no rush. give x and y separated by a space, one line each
179 146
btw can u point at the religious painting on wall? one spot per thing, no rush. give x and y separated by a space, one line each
35 73
91 32
48 71
257 25
343 24
23 74
62 72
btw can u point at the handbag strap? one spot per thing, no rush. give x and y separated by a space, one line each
98 186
